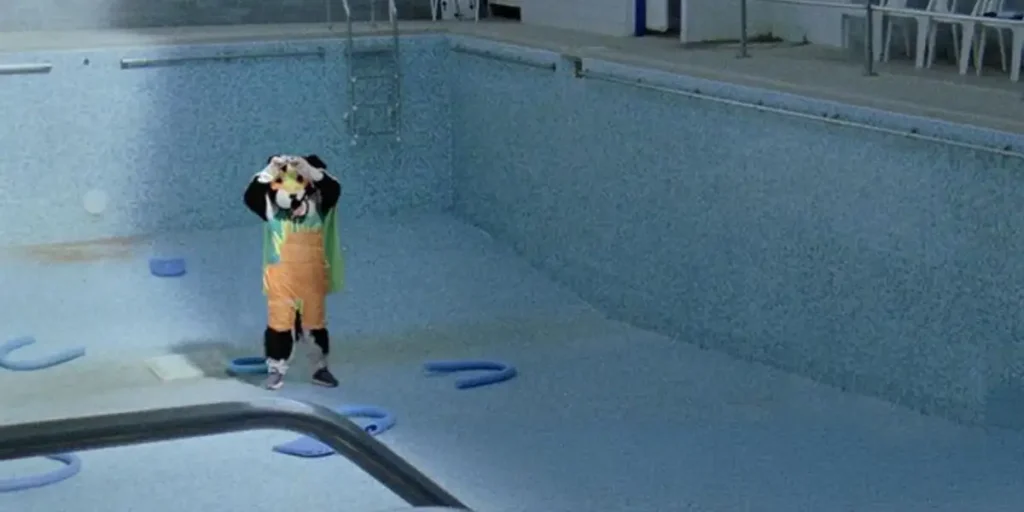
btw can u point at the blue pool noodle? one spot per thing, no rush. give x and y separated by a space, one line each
247 366
309 447
34 364
382 420
167 267
72 465
497 371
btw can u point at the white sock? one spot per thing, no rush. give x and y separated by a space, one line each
275 366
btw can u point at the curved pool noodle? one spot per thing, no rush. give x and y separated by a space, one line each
309 447
34 364
167 267
247 366
72 465
496 371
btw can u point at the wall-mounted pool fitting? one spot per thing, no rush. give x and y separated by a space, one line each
26 69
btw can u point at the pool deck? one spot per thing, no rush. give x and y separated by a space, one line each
989 101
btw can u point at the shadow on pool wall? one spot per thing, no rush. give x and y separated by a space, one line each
173 146
21 15
877 263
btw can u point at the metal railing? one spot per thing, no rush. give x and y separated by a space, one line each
140 427
330 14
869 10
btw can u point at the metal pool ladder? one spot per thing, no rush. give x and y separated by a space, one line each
51 437
374 73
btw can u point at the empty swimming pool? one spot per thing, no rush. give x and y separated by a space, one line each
717 298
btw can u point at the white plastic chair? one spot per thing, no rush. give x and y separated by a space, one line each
1000 22
893 21
449 10
924 18
944 12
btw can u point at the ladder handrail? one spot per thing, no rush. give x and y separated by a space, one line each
393 14
139 427
330 13
348 15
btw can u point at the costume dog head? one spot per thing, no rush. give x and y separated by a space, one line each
294 185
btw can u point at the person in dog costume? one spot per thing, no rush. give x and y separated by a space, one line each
302 261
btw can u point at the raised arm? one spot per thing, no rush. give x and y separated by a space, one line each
259 188
330 188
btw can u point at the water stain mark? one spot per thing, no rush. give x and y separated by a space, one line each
116 248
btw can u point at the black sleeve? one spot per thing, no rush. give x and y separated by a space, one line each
256 197
330 192
330 189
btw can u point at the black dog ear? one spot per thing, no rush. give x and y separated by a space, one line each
315 161
271 158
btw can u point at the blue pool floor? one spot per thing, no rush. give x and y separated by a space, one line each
603 416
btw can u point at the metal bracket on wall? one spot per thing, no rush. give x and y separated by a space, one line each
25 69
506 58
138 63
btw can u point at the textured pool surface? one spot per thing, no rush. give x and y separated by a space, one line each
548 201
602 417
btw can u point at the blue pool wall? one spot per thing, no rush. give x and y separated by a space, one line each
871 261
868 260
173 147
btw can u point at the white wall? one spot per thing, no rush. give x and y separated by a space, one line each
818 25
711 20
607 17
708 20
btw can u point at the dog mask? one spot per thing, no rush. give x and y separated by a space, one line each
293 187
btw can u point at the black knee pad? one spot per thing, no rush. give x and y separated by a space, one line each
322 339
277 345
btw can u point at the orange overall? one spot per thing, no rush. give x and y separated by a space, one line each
297 283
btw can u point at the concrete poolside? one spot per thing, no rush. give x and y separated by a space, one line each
988 101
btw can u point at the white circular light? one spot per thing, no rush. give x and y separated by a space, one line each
95 201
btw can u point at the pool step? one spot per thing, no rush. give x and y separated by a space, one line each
191 365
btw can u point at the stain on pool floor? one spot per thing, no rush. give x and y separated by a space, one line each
603 416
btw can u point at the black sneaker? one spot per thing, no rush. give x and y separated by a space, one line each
324 378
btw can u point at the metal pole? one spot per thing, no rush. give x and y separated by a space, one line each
869 39
150 426
743 30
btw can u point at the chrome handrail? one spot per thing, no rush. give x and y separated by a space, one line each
139 427
393 18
